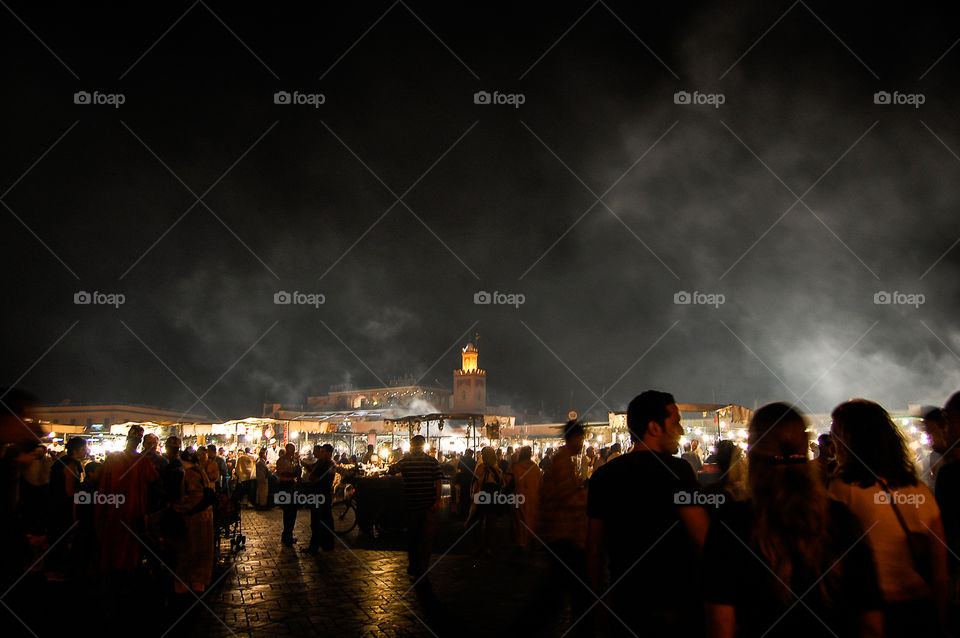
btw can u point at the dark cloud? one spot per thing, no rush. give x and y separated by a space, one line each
495 203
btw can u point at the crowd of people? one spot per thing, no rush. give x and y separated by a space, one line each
858 541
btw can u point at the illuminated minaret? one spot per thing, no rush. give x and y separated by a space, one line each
470 382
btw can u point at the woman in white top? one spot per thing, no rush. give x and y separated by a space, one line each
877 480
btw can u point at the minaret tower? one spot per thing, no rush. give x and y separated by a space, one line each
470 382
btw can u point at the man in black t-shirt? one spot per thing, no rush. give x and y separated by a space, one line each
643 511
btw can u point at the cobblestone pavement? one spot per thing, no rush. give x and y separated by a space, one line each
362 588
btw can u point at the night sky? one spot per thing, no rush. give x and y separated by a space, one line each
798 199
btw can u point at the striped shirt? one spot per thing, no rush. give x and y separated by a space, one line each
420 474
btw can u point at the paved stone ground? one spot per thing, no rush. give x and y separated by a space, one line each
362 588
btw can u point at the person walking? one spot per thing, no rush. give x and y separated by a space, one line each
878 481
644 517
422 488
288 473
466 472
247 475
562 523
525 477
194 551
319 487
262 480
788 541
489 485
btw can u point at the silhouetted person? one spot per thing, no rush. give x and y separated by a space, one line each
466 472
319 485
826 461
66 476
643 504
422 485
877 480
562 522
288 473
788 540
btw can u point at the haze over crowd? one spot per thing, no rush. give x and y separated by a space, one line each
701 199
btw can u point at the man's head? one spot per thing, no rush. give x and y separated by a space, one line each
323 452
573 435
212 451
134 436
654 419
951 414
935 425
17 424
290 448
828 448
370 447
417 443
172 447
246 450
150 442
77 448
468 453
614 448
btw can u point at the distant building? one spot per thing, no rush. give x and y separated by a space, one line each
107 414
405 396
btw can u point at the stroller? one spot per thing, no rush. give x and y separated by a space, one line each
226 521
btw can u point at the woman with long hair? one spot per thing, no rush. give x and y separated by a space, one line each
792 560
877 480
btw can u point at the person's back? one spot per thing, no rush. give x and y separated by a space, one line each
877 480
789 540
563 501
420 471
636 496
246 467
947 483
737 574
